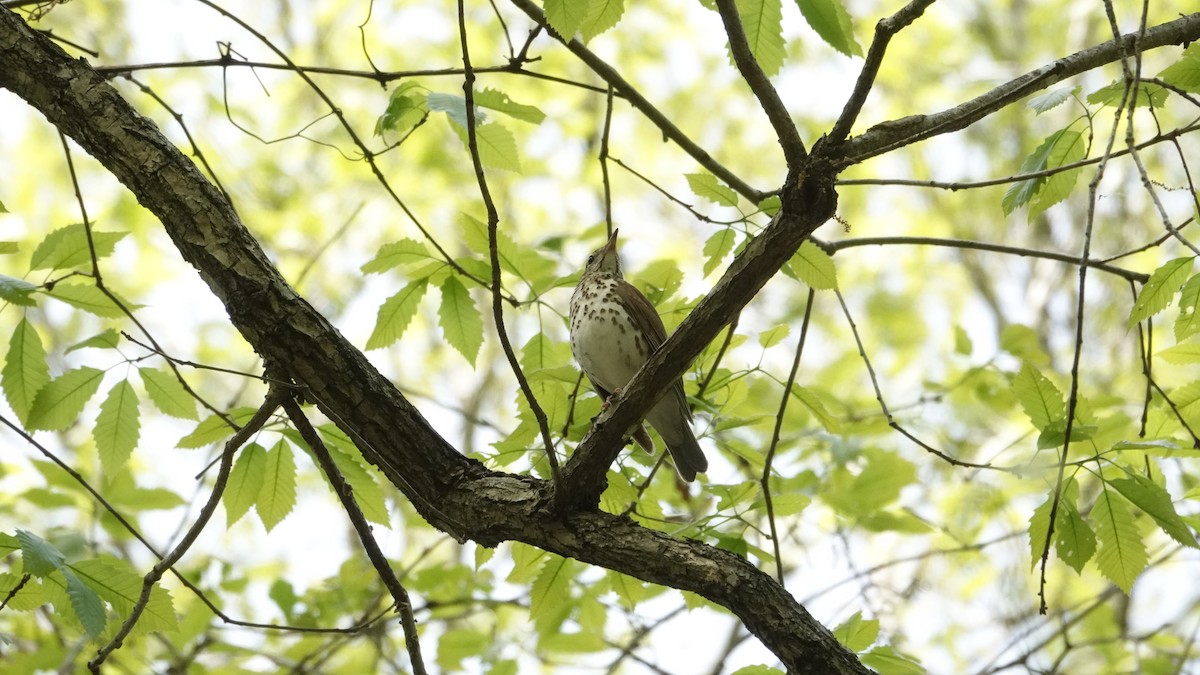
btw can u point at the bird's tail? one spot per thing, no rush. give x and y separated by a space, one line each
689 458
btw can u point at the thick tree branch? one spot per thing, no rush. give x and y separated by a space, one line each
454 493
894 134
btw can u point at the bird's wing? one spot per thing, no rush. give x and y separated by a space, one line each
648 323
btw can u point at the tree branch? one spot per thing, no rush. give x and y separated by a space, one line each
454 493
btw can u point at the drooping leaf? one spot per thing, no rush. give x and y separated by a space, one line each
1122 555
1148 95
25 369
1051 99
566 16
1040 399
716 248
67 247
497 146
814 267
455 107
89 298
277 496
106 339
115 581
38 556
1158 291
86 603
831 21
395 314
406 107
708 187
1185 73
167 393
602 15
460 320
551 592
1059 148
245 482
814 404
762 21
500 102
59 403
1188 322
1156 502
857 633
117 427
17 291
395 254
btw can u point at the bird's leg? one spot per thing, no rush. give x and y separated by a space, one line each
608 401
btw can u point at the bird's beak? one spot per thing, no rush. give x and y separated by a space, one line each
611 247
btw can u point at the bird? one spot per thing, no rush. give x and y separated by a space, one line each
614 330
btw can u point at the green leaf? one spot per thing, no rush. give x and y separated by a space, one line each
117 582
67 247
1051 99
455 107
1156 502
856 633
1039 524
877 484
395 314
366 489
38 556
716 248
1158 291
1184 73
551 591
1148 94
566 16
1061 147
500 102
89 298
25 369
88 606
762 21
758 669
460 320
772 336
397 254
817 408
1122 554
629 591
602 15
1181 354
1188 322
887 661
106 339
405 108
1074 540
458 644
17 291
831 21
59 403
497 147
245 482
213 429
706 186
277 497
962 342
168 395
814 267
771 205
1040 399
117 427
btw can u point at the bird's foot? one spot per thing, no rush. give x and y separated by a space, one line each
608 401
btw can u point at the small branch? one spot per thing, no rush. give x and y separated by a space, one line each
785 129
345 494
493 221
274 396
885 30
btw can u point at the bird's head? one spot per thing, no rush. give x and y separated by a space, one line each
604 260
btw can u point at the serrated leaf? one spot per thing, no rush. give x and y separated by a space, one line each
116 582
771 205
1122 554
89 298
38 556
459 318
455 107
1184 73
1148 94
566 16
771 337
213 429
395 314
629 591
395 254
1040 399
1061 147
762 21
497 147
106 339
406 107
814 267
1039 525
885 659
716 248
1188 322
500 102
1156 502
367 493
602 15
817 408
706 186
25 369
1181 354
552 588
67 247
1074 540
60 402
856 633
277 497
1161 287
458 644
88 606
831 21
1051 99
168 395
17 291
757 669
117 427
245 482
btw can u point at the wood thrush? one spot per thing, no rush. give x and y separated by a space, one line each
614 329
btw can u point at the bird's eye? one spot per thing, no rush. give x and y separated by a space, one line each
591 258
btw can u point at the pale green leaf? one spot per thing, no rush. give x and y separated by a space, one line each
116 581
1061 147
86 603
1039 525
497 147
757 669
168 394
717 247
277 496
1158 291
814 267
117 427
602 15
1188 322
460 643
500 102
38 556
25 369
1148 94
817 408
406 107
395 314
1185 73
397 254
1051 99
762 21
106 339
17 291
460 320
1122 555
875 486
857 633
60 402
213 428
887 661
831 21
1074 540
1186 353
455 107
1040 399
89 298
566 16
67 247
1156 502
771 337
706 186
366 490
552 589
245 482
629 591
